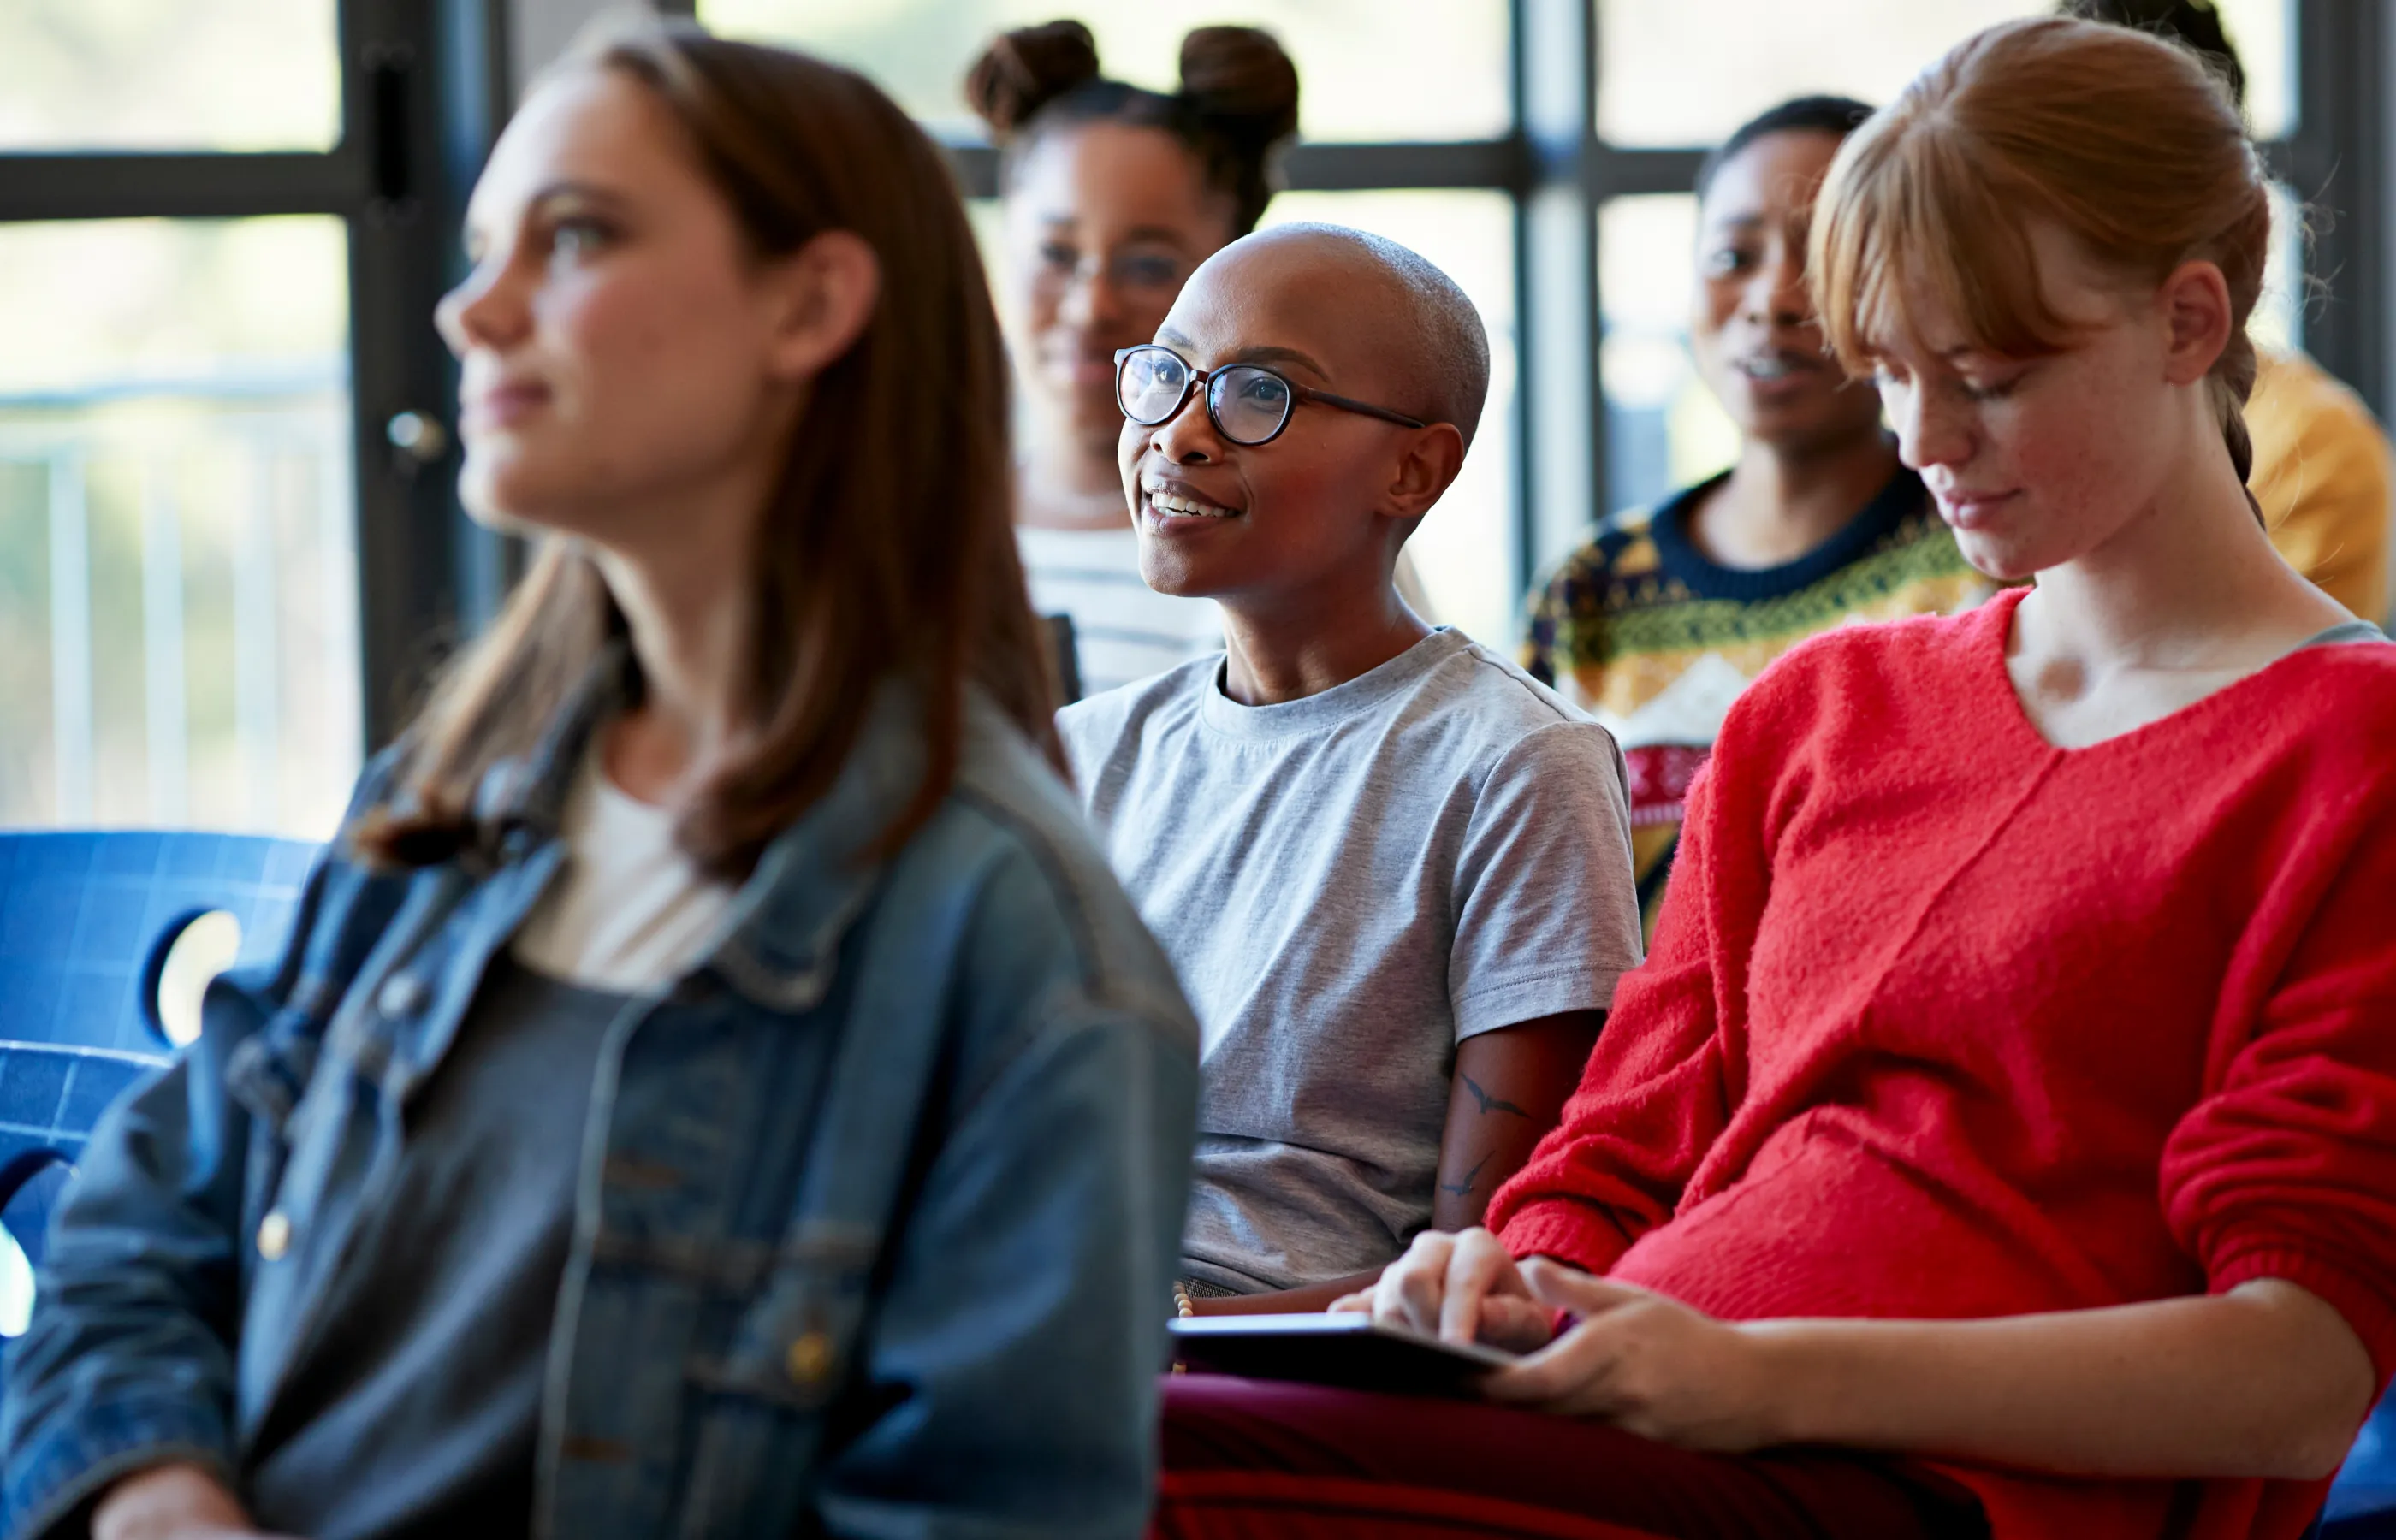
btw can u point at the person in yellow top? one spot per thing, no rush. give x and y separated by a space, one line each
2321 466
2321 477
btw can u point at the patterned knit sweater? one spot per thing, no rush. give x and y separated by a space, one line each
1946 1022
1641 630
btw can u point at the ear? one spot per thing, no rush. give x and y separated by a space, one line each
821 295
2194 304
1425 468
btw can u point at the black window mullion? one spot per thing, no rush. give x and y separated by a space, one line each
197 186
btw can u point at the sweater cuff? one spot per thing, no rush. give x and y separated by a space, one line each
2366 1309
1568 1231
54 1477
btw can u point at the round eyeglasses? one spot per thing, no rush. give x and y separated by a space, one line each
1247 403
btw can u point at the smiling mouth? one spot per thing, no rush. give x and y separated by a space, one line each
1184 505
1767 367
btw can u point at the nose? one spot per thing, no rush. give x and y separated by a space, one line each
1774 294
1187 437
488 309
1930 430
1090 300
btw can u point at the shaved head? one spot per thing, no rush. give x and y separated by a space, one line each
1425 339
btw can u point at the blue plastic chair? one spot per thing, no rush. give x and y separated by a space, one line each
86 923
2363 1501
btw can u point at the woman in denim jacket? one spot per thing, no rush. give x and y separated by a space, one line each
714 1089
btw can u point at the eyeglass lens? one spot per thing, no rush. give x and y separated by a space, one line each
1247 405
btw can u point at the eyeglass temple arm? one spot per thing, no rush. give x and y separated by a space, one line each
1348 404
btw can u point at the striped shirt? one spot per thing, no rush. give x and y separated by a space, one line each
1122 628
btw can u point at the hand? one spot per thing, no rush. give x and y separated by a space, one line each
1647 1364
1462 1287
171 1502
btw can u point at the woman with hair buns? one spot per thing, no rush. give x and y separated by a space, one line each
714 1087
2000 1139
1112 195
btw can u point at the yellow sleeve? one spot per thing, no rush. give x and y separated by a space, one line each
2322 475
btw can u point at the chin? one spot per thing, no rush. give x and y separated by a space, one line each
506 500
2000 561
1177 579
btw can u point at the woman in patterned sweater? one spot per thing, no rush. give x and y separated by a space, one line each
1659 622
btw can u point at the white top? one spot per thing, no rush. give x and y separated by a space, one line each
628 912
1122 628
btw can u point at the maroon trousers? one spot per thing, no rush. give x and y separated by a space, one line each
1270 1460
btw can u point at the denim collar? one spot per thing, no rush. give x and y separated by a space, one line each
784 933
781 938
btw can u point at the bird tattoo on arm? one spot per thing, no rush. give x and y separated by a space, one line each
1461 1191
1488 1102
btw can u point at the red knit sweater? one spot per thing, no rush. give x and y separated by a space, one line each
1942 1021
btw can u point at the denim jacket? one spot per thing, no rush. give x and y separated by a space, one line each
929 1299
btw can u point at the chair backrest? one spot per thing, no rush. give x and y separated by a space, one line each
2363 1501
87 921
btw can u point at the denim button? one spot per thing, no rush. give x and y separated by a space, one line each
401 995
274 1236
808 1358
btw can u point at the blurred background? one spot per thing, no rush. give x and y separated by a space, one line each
229 544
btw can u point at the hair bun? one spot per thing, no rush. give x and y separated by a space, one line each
1239 80
1024 70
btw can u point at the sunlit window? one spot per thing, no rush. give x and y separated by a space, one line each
178 562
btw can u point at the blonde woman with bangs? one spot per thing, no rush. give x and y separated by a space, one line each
2001 1137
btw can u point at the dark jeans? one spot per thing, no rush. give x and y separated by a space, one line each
1269 1460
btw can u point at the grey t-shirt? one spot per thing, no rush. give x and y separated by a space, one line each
1348 886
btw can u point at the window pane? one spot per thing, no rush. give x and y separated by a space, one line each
2279 320
177 561
169 74
1663 428
1689 75
2264 33
1465 550
1367 69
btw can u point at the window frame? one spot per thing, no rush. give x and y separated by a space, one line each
423 92
407 156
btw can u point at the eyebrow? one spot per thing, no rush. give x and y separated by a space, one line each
1263 354
1136 233
550 192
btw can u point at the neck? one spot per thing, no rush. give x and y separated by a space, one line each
686 594
2187 582
1292 646
1780 505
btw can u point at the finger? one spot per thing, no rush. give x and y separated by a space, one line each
1517 1325
1570 1288
1409 1291
1359 1303
1474 1267
1569 1374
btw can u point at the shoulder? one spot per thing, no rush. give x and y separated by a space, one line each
1621 546
2340 710
1047 908
1502 726
1862 668
1093 728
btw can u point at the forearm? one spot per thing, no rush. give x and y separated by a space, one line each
1508 1088
1305 1301
2264 1381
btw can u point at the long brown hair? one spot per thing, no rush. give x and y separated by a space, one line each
2125 141
886 547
